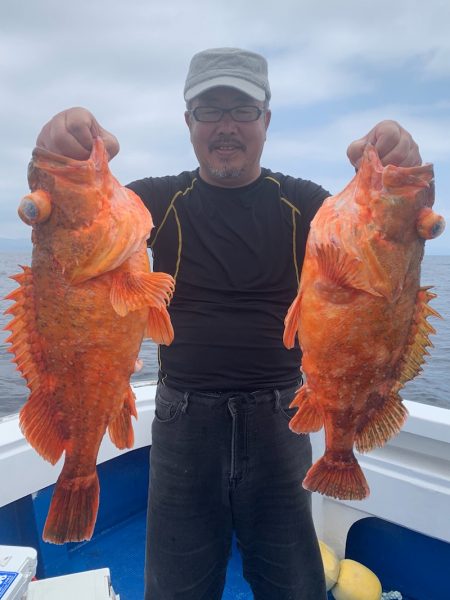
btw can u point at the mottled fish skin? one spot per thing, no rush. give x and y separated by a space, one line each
80 314
361 316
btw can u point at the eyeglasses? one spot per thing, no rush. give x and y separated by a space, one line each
213 114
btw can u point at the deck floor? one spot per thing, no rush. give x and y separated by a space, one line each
121 549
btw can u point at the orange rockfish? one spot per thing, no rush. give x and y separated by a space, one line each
360 316
80 314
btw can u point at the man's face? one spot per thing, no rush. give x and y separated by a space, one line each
228 151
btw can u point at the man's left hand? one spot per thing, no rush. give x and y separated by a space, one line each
395 146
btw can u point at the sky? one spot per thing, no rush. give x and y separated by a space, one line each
335 68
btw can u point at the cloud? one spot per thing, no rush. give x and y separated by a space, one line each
332 78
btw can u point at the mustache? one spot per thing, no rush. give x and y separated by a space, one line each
226 140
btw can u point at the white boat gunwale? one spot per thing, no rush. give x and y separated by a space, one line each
409 477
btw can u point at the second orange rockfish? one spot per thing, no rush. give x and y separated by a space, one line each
360 316
81 312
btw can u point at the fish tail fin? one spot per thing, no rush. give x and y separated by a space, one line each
41 427
159 326
120 429
307 418
291 323
73 509
383 422
131 291
344 480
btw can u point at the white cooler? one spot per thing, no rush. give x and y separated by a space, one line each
88 585
17 568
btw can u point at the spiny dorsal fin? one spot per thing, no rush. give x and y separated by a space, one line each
419 338
38 420
24 339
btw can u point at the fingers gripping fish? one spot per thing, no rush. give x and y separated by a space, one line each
360 316
80 315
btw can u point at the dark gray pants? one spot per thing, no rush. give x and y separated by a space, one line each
224 462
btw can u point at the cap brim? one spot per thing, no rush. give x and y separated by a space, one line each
240 84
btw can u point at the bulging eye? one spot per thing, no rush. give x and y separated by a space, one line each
429 224
35 207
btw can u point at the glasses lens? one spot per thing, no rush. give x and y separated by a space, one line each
242 114
207 114
245 113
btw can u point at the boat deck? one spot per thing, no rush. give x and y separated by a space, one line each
121 549
412 563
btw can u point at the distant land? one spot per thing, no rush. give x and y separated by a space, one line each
14 245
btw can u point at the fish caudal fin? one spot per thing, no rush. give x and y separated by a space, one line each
343 480
382 423
159 326
120 429
73 510
131 291
307 418
291 323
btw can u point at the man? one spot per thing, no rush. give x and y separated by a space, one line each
233 235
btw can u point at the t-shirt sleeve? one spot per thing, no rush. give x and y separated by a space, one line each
157 193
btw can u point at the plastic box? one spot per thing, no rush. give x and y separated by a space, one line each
17 568
88 585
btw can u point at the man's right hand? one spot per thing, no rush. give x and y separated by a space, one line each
71 133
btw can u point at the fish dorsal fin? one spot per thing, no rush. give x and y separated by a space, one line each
24 339
419 338
131 291
38 419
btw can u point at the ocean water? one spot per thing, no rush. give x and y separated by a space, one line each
432 386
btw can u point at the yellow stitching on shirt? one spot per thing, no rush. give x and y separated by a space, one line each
180 243
294 208
294 245
295 211
169 208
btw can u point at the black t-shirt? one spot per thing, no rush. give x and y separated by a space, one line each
236 255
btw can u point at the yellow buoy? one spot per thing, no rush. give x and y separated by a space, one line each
356 582
330 564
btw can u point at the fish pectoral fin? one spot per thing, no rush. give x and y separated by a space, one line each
73 509
131 291
383 419
341 269
120 429
307 418
291 322
159 326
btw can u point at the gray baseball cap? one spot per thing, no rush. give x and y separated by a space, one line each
231 67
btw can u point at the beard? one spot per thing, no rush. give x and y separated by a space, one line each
225 172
